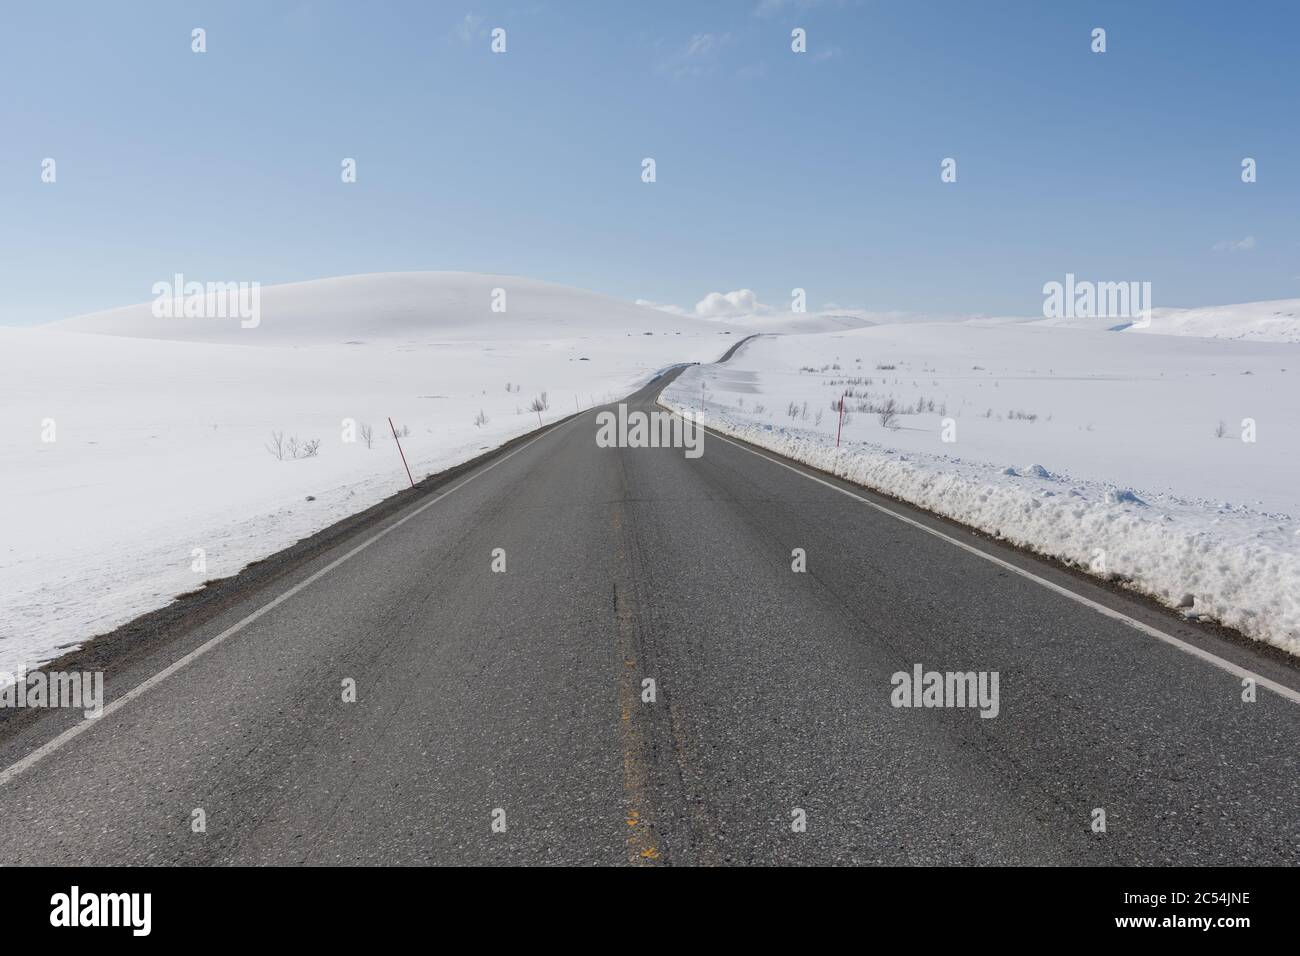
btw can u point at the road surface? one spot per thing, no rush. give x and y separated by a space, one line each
516 698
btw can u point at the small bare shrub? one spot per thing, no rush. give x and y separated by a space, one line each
292 447
888 413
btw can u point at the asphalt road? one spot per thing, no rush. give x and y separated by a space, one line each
522 692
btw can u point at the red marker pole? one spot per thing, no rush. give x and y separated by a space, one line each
400 452
840 427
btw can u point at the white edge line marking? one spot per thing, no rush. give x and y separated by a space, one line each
79 728
1225 665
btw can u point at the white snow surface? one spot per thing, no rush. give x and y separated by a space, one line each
161 425
1276 320
419 307
1119 471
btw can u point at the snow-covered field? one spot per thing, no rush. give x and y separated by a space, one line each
1120 452
129 442
1274 321
160 426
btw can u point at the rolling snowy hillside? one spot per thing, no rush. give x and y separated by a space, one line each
1273 321
1276 321
403 306
160 427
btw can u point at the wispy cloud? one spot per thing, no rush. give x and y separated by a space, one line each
699 55
702 44
674 309
1235 245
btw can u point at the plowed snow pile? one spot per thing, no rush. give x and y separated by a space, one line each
1168 462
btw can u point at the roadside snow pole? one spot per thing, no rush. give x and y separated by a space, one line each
701 398
400 452
840 427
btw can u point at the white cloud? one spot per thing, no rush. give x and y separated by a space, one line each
1235 245
674 309
697 57
701 44
719 305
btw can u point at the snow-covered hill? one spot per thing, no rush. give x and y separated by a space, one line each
801 323
1277 320
160 427
404 306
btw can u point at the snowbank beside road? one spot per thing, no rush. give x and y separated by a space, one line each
134 449
1060 483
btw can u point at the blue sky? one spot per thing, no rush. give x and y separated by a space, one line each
774 170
